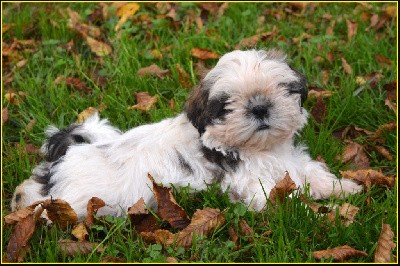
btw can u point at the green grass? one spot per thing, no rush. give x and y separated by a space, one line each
296 231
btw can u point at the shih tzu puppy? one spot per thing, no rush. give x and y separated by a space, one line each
237 128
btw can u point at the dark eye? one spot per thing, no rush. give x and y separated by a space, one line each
216 107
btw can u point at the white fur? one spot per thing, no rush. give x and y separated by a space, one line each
114 166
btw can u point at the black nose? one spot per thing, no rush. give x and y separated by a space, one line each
261 111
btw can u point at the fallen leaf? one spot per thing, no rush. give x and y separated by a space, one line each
124 12
318 111
383 252
233 235
391 11
351 29
93 205
281 190
383 60
184 78
159 236
172 105
347 212
171 260
338 253
80 232
110 259
376 177
60 212
74 23
153 70
137 212
382 129
6 27
316 94
85 114
316 207
144 101
168 209
391 105
18 244
346 67
355 155
12 98
204 54
203 223
325 77
384 152
77 84
148 223
246 230
303 37
72 248
4 115
251 42
97 47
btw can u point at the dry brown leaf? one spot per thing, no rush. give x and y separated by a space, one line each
144 101
12 98
347 213
384 152
77 84
110 259
383 60
124 12
72 248
159 236
137 212
391 105
18 244
303 36
376 177
171 260
391 11
60 212
383 252
252 41
384 128
351 29
153 70
203 223
74 23
204 54
93 205
281 190
168 209
346 67
338 253
317 94
233 235
246 230
184 78
149 223
355 155
325 77
4 115
97 47
18 215
80 232
318 111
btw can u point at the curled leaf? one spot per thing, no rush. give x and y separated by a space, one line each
385 246
203 223
144 101
354 153
153 70
168 209
204 54
375 177
346 67
94 204
97 47
159 236
281 190
338 253
60 212
80 232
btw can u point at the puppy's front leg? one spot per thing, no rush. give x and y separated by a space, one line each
323 183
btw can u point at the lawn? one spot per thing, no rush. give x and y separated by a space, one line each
60 59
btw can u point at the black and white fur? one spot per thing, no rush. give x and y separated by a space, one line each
237 128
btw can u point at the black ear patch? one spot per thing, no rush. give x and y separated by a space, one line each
216 107
299 86
196 107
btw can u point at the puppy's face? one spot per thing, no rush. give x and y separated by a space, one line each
251 100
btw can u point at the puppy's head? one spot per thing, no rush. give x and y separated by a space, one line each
251 100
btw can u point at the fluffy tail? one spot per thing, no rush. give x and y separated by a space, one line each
92 130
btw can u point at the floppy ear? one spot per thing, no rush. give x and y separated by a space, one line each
196 107
299 86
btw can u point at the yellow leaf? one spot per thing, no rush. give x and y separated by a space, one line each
85 114
125 12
